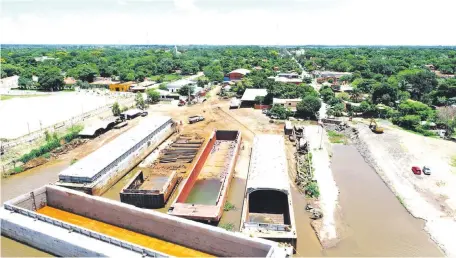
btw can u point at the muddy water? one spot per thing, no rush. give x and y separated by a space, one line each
205 191
236 198
375 222
16 185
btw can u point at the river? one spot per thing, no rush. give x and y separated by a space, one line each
374 221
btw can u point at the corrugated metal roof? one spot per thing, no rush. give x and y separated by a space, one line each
99 124
180 83
241 71
251 94
268 164
90 167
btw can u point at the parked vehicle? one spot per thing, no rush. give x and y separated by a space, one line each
426 171
265 111
416 170
195 119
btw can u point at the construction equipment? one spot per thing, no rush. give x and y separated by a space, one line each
374 126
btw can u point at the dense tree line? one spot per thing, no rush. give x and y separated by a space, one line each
134 64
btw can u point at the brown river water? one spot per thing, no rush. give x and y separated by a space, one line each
374 222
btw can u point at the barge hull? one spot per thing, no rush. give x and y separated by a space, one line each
204 212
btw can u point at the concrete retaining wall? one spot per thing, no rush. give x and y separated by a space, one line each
57 240
191 234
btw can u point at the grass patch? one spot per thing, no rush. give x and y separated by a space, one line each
17 170
312 190
7 97
73 161
229 206
335 137
166 77
47 155
453 161
227 226
400 200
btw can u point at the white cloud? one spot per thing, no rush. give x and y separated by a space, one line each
419 22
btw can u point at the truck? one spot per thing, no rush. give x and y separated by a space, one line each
235 103
195 119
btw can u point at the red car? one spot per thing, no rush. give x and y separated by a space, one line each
416 170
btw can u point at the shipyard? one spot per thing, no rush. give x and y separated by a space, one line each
149 135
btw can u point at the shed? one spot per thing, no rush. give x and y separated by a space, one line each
250 95
131 113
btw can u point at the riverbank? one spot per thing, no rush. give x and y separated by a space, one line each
426 197
326 227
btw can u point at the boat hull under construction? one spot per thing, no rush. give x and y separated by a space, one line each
268 209
204 193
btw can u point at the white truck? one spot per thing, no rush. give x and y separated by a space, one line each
195 119
235 103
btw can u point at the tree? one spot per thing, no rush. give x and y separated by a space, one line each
190 67
309 106
336 110
86 72
186 90
344 96
259 100
51 79
326 93
280 111
201 82
214 72
447 115
140 101
365 107
385 93
153 96
163 87
115 109
307 80
355 94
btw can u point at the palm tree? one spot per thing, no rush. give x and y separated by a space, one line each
355 95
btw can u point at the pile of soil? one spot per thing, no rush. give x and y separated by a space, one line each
34 163
68 147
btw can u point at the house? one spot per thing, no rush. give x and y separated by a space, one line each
69 81
288 75
143 86
250 95
288 103
103 81
296 81
124 86
10 82
328 76
177 85
238 74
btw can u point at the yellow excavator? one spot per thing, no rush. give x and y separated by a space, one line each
374 126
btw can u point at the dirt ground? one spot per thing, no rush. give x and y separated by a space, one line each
433 197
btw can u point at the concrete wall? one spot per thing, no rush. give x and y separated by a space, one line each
194 235
196 169
56 240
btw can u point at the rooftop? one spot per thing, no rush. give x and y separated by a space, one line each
251 94
180 83
88 168
268 164
284 101
241 71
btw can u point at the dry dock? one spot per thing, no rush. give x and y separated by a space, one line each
152 187
203 195
268 210
66 222
100 170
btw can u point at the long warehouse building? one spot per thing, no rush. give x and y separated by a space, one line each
268 210
97 172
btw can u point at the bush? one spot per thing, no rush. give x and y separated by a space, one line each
47 155
229 206
17 170
408 121
312 190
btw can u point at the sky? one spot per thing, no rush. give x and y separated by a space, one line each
228 22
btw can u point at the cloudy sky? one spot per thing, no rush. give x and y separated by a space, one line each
264 22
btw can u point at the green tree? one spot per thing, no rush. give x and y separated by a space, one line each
186 90
163 87
139 100
385 93
326 93
309 106
280 111
355 94
51 79
115 109
86 72
153 96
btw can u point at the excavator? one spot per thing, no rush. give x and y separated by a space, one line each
374 126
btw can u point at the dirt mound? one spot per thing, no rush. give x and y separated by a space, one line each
67 147
34 163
